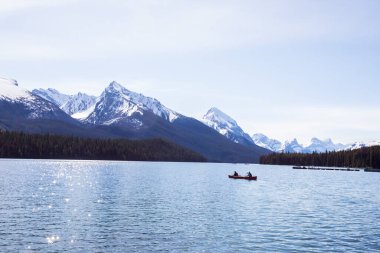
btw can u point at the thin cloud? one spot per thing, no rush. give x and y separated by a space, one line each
114 28
343 124
12 5
253 57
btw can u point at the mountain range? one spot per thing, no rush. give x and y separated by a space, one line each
71 104
116 113
228 127
21 110
121 113
316 145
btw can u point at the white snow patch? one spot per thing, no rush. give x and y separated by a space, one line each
147 103
360 144
83 114
265 142
9 90
117 102
225 125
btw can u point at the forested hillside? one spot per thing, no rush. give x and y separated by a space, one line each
21 145
368 157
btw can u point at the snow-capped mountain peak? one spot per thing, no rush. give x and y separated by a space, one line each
319 146
78 103
315 140
8 81
117 103
218 117
265 142
25 104
292 142
115 86
226 126
52 95
9 90
71 104
360 144
292 146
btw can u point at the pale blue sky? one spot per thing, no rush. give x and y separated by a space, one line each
300 68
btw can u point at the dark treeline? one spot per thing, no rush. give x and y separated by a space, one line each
368 157
34 146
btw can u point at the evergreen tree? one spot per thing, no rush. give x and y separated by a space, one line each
35 146
367 157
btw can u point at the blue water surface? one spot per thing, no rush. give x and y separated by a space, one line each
101 206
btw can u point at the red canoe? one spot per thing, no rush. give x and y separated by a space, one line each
242 177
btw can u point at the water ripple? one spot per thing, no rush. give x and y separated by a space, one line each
95 206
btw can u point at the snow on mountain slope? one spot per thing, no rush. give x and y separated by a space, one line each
10 91
226 126
117 103
357 145
320 146
84 114
372 143
25 104
52 95
265 142
316 145
78 103
71 104
292 147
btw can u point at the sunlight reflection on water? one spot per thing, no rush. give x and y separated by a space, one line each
135 206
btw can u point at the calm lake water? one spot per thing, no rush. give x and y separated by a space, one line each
94 206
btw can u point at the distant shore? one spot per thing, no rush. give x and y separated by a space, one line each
366 157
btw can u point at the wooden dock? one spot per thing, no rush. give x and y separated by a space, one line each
371 170
322 168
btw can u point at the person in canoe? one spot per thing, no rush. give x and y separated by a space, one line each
236 174
249 174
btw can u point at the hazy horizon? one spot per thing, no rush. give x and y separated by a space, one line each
299 69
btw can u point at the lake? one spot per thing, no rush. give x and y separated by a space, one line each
102 206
